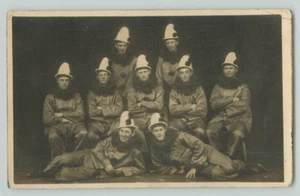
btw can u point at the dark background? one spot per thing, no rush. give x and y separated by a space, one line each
41 44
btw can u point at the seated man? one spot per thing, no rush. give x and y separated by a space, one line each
105 104
63 114
177 152
188 105
230 99
114 156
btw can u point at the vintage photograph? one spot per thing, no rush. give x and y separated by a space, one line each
140 99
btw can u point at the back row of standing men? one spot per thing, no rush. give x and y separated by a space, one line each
125 82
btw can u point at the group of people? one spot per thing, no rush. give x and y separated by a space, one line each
141 120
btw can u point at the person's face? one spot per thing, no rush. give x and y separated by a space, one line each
172 44
229 71
121 47
125 134
143 74
185 74
159 132
63 82
103 77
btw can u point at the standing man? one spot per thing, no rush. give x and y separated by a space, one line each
168 62
105 104
230 100
179 152
188 105
63 114
123 62
115 156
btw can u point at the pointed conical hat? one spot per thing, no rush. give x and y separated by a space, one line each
123 35
170 32
142 63
156 119
103 66
64 70
185 63
230 59
126 121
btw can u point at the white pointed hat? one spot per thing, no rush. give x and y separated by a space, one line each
170 32
103 66
64 70
185 63
156 119
126 120
230 59
123 35
142 62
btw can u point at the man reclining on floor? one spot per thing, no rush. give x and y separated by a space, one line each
114 156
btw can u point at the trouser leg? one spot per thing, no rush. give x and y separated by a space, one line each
237 133
198 129
97 132
213 134
180 124
75 173
217 158
81 136
56 140
72 159
140 132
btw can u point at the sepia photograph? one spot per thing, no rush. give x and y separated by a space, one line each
149 98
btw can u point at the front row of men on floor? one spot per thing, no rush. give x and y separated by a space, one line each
173 143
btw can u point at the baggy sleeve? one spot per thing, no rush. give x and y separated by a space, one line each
201 102
241 106
92 105
218 102
99 152
115 109
159 72
77 114
48 111
199 155
176 108
157 104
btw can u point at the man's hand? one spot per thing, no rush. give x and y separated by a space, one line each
109 169
99 108
191 173
58 115
194 106
235 99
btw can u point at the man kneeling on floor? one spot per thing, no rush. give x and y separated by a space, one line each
114 156
179 152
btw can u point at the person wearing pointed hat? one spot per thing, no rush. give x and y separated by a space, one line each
123 61
144 98
230 100
188 105
105 104
117 155
63 114
176 152
168 61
